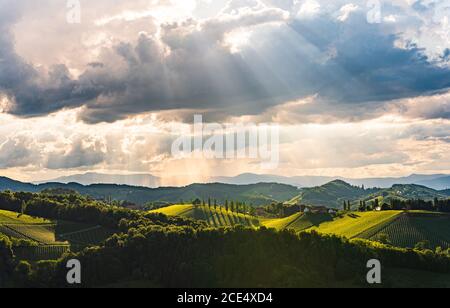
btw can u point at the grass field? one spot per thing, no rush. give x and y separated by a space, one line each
281 223
297 222
349 225
10 218
218 217
175 210
353 224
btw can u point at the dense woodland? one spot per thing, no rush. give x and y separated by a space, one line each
437 205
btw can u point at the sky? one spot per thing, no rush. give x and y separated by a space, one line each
356 88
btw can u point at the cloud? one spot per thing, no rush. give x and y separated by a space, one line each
80 154
346 10
186 64
17 152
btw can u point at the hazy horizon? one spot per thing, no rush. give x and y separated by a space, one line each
357 91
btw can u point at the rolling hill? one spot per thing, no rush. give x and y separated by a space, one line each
256 194
334 194
398 228
297 222
218 217
354 224
144 180
408 229
435 181
408 192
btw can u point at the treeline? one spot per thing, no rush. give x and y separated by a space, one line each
233 206
231 257
282 210
435 206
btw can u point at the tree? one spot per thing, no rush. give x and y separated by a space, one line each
23 208
423 245
383 238
22 274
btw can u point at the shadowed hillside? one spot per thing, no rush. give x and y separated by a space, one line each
255 194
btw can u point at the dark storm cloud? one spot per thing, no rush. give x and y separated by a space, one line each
345 63
365 65
29 91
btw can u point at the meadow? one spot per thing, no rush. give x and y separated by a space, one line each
215 217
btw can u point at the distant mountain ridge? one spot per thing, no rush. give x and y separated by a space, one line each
331 194
440 183
144 180
435 181
256 194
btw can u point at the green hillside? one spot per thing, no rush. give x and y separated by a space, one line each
282 223
48 239
332 194
398 228
353 224
408 192
256 194
218 217
298 222
335 193
11 218
408 229
167 251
